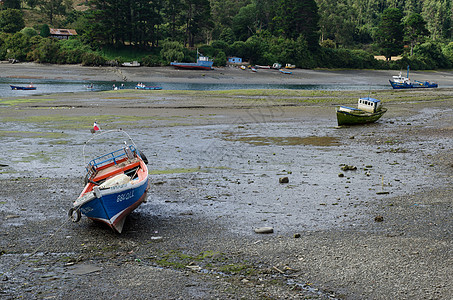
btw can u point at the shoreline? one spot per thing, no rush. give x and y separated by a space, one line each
383 231
232 75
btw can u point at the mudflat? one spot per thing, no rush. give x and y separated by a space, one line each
380 230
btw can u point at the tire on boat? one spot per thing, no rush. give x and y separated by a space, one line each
143 157
75 215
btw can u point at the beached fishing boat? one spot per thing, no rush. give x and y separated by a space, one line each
401 82
368 110
203 63
28 87
141 86
116 183
131 64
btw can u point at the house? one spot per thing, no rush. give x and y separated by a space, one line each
234 60
62 34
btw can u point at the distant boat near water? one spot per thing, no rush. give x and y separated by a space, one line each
401 82
131 64
141 86
28 87
368 110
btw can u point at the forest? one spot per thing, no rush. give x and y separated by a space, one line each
306 33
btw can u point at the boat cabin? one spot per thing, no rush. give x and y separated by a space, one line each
369 104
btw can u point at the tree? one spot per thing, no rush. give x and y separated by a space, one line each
295 17
28 31
337 21
172 51
52 9
390 33
14 4
438 14
415 29
197 18
18 46
245 23
45 30
11 20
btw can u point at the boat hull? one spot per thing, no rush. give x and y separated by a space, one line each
25 88
115 204
352 118
116 184
414 85
201 65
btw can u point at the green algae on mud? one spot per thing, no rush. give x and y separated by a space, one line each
32 134
79 122
12 102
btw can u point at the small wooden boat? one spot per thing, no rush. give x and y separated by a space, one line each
368 110
28 87
401 82
147 87
116 183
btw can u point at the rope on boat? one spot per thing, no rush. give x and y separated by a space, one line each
36 250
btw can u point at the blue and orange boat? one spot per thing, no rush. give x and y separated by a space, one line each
116 183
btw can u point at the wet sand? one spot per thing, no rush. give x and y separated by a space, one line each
383 231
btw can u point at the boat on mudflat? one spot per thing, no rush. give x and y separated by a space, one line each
28 87
147 87
203 63
401 82
116 183
285 72
368 110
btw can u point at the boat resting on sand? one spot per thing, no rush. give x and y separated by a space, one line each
368 110
116 183
203 63
285 72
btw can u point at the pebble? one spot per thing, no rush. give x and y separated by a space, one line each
262 230
283 180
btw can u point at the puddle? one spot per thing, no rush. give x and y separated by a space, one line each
321 141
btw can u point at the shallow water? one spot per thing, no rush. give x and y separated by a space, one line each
72 86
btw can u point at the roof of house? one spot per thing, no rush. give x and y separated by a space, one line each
56 31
